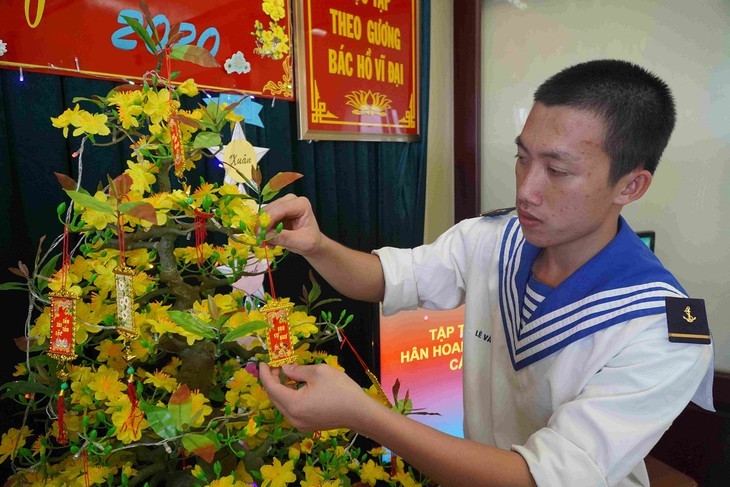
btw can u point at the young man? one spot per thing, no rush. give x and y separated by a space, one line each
580 378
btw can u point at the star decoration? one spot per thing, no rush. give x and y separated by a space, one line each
248 109
238 134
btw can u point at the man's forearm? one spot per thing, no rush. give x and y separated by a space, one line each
357 275
447 460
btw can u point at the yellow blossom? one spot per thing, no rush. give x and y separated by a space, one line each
158 105
98 219
142 174
200 409
38 448
91 124
302 324
129 421
80 393
331 360
257 398
13 440
161 380
307 445
129 107
251 428
274 9
278 475
371 472
227 481
20 369
188 87
172 367
106 384
242 474
68 117
41 330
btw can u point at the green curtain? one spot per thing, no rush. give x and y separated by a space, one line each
365 194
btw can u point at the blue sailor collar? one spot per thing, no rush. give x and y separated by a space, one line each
623 281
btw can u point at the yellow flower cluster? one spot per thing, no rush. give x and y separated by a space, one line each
272 42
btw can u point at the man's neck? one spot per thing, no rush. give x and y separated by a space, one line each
555 264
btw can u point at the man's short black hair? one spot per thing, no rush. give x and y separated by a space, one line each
636 106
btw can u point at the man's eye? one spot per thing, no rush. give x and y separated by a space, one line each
520 157
556 172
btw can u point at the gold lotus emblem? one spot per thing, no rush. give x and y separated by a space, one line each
368 103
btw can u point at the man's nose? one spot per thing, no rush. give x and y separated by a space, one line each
530 186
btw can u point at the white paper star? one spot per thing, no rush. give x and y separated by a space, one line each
238 134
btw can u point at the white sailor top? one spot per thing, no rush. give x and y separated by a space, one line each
583 386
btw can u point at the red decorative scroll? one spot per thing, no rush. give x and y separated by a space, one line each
63 316
279 341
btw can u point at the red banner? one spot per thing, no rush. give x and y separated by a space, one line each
250 39
357 69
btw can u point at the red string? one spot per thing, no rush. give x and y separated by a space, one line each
120 234
62 436
268 270
357 355
86 467
66 257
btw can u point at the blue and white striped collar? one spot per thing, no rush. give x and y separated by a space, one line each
623 281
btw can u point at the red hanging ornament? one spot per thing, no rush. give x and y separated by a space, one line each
279 339
63 329
177 150
201 232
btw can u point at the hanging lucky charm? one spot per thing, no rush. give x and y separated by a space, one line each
63 317
279 339
125 312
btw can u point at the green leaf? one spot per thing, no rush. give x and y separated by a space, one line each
180 407
245 330
160 420
141 32
141 210
194 54
21 387
314 293
48 270
13 286
206 139
204 446
191 324
87 201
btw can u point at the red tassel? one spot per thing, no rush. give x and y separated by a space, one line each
62 436
393 466
132 393
201 232
86 467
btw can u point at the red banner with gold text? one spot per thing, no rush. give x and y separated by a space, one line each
250 39
357 69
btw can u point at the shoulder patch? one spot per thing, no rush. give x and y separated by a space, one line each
498 212
687 321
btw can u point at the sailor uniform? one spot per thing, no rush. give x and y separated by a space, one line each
581 380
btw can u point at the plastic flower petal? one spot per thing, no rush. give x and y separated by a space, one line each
274 9
12 441
371 472
278 475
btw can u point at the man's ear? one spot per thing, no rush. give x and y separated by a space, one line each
633 186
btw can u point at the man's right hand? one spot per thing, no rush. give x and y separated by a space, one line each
300 233
355 274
